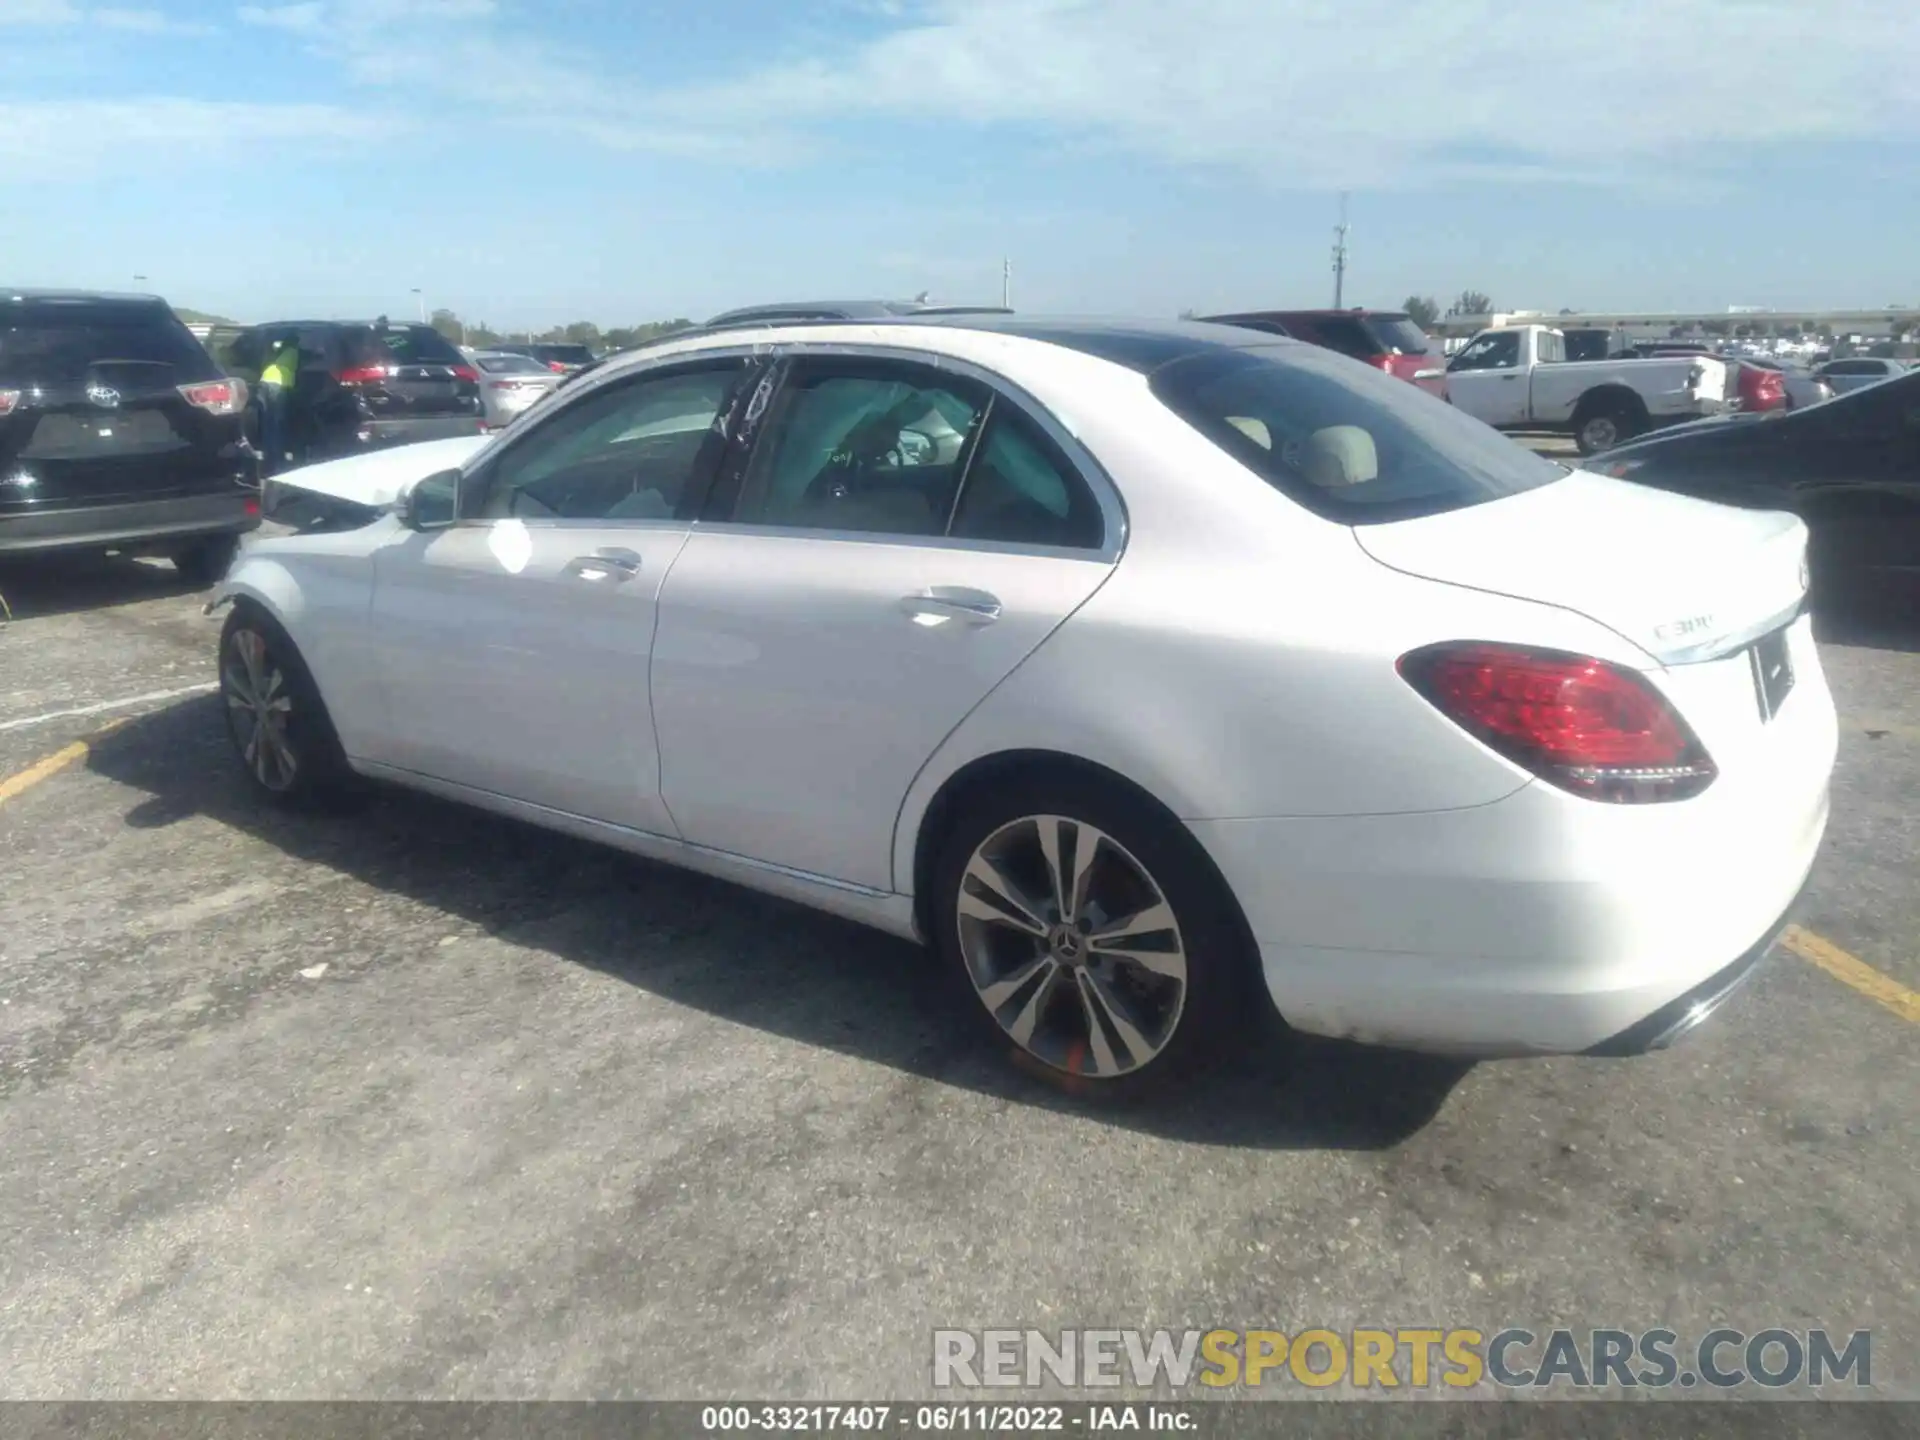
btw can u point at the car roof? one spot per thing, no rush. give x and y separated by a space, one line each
1355 314
113 297
340 324
846 310
1140 345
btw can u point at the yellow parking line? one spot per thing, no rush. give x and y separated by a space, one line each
52 765
1879 988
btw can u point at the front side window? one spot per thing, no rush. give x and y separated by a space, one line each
630 452
1350 444
1495 350
861 447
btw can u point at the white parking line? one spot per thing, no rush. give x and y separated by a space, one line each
152 697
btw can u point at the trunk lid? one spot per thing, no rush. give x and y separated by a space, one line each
1685 580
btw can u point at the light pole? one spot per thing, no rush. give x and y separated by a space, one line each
421 297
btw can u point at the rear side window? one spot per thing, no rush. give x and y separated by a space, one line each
1020 491
403 345
1397 335
1350 444
55 343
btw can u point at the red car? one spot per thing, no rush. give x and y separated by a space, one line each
1385 339
1760 388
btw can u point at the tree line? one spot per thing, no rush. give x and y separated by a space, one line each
480 335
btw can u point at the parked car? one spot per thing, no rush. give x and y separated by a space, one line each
1206 664
1757 389
363 385
510 384
1802 388
1846 376
560 359
118 432
1517 378
1849 468
1387 340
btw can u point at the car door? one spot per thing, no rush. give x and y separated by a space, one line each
1855 468
1487 380
896 541
514 644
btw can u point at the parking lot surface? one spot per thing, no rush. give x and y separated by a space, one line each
417 1102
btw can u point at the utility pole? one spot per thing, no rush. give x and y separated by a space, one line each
1006 284
1340 255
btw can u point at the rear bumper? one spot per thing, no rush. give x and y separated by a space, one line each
382 433
93 527
1540 924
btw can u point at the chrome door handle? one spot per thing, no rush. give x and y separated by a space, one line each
610 566
952 602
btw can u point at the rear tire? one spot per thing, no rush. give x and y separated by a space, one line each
1605 424
276 719
205 562
1033 890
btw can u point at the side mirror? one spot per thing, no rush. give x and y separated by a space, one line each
429 504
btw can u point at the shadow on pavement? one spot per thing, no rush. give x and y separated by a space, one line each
740 956
61 585
1870 625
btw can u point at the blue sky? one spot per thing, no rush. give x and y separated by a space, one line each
535 161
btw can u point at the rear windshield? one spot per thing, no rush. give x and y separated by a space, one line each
511 365
1352 445
50 343
1397 335
568 354
403 345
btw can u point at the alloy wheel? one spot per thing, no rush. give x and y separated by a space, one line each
1601 432
1072 947
259 706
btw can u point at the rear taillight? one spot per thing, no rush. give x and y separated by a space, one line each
217 397
556 367
465 372
1381 362
8 400
362 374
1585 725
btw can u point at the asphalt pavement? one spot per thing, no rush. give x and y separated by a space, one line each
419 1103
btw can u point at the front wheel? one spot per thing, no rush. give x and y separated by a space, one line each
275 717
1095 937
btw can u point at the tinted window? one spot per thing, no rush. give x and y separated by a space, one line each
1397 335
403 345
511 365
871 448
1588 345
1495 350
1350 444
1020 490
1349 337
629 452
567 354
50 343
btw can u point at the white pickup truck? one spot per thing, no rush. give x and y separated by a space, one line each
1517 377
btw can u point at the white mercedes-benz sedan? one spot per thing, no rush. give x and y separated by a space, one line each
1135 668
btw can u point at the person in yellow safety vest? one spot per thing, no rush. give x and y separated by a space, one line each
276 384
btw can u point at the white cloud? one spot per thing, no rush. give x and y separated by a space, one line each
144 20
304 18
1371 92
56 138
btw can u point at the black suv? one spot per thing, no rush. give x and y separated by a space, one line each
118 432
362 386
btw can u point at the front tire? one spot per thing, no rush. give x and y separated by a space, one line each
275 717
1093 938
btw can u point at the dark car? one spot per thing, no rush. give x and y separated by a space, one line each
119 432
363 385
1385 339
1850 468
561 359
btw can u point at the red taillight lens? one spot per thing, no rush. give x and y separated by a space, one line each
8 400
251 506
362 375
556 367
1587 726
465 372
1381 362
217 397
